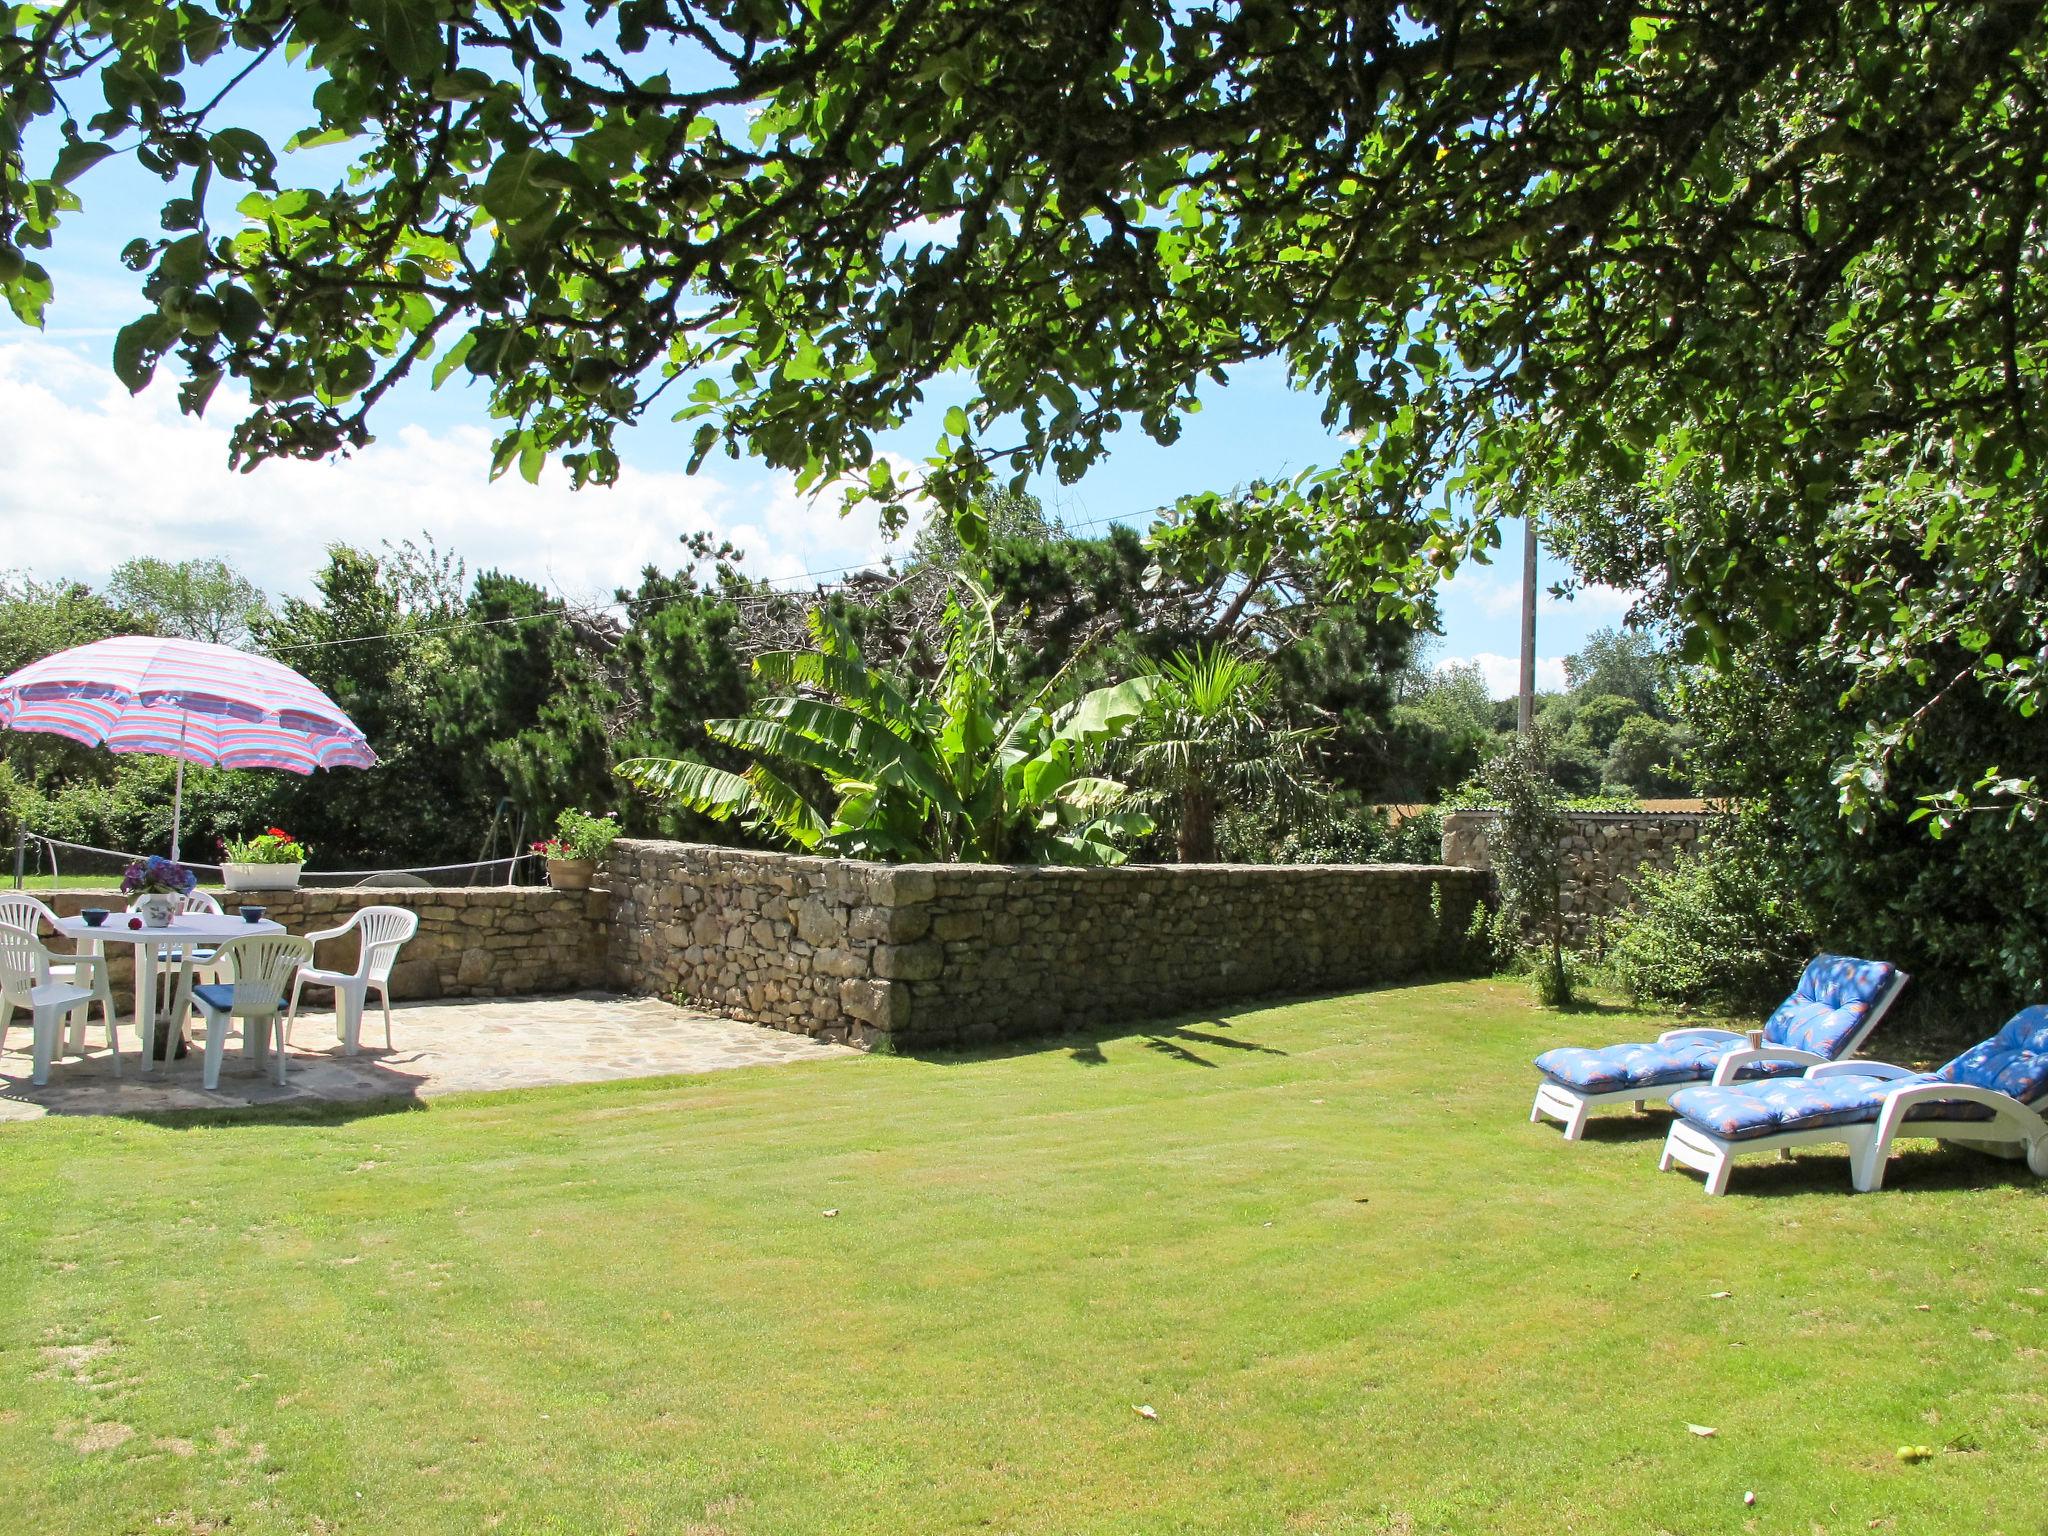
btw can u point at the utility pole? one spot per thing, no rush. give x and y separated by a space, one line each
1525 715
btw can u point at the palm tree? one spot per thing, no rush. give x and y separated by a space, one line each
1208 733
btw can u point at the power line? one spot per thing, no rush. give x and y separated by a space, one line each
623 605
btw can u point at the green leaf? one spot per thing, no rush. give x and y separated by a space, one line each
76 158
138 347
407 32
514 196
242 155
704 789
454 357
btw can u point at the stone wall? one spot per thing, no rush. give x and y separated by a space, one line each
1604 852
932 954
480 941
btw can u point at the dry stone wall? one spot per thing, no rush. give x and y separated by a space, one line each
948 953
480 941
1604 853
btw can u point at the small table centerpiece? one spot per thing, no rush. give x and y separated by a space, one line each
163 884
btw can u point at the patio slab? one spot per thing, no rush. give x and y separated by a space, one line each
441 1048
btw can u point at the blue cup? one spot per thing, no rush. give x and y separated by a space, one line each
93 916
252 914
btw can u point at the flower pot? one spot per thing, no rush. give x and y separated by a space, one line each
156 911
571 874
261 877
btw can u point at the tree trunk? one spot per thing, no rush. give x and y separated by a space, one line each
1197 839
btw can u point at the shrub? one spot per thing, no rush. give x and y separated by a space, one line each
1554 979
1723 928
1341 829
1528 861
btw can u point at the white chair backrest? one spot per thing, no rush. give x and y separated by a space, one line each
196 901
24 963
384 932
21 911
262 966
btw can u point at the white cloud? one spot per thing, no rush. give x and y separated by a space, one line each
1504 673
1499 596
94 476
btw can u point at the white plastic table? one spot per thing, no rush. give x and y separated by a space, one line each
212 929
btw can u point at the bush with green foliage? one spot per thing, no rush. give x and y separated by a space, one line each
1528 863
1335 828
1723 928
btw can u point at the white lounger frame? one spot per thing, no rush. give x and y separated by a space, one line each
2016 1130
1570 1106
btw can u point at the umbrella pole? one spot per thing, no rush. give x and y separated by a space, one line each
178 794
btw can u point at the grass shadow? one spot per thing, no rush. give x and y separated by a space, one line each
1652 1124
1922 1169
1595 1007
304 1112
319 1091
1165 1046
1084 1043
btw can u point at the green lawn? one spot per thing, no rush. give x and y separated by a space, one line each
1320 1240
101 880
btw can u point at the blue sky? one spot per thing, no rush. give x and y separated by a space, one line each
96 477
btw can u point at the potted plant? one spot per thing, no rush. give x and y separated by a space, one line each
269 861
163 884
580 841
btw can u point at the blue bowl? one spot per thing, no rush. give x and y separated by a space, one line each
252 914
93 916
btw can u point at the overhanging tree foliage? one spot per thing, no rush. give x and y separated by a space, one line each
1795 242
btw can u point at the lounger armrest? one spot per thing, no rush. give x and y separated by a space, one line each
2026 1126
1733 1063
329 933
1903 1098
1879 1069
1673 1036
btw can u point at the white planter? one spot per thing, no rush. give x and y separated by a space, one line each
157 911
261 877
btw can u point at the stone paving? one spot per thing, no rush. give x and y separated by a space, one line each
441 1048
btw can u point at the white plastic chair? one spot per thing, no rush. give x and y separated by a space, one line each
262 966
182 968
384 932
26 980
86 968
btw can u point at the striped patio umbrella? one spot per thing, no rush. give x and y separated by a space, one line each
185 699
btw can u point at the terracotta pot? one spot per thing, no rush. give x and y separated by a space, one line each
571 874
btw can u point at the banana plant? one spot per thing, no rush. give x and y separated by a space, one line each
955 770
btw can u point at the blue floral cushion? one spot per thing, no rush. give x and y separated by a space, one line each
1834 995
1609 1069
1740 1113
2014 1061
